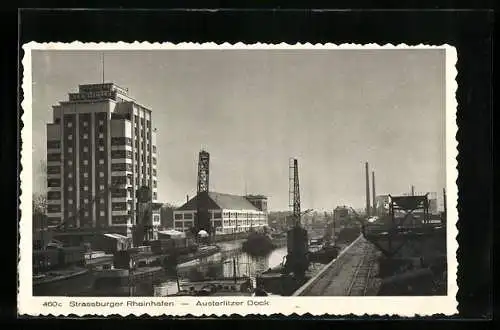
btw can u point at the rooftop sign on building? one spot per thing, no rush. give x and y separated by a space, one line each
97 92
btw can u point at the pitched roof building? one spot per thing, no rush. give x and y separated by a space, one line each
227 213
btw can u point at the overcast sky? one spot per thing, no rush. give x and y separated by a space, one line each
254 109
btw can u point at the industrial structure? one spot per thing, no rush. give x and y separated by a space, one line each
227 213
101 155
218 213
297 261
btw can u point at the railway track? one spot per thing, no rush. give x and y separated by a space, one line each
360 279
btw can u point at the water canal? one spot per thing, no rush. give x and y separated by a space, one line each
229 262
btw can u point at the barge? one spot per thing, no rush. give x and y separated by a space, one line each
64 282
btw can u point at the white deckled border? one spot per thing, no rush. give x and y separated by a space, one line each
401 306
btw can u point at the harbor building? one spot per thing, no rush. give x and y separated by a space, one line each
228 213
101 148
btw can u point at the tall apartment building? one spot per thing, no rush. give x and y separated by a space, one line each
101 148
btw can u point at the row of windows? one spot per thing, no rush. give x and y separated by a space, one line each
85 136
178 216
120 180
85 123
121 154
121 167
116 154
85 187
86 149
118 141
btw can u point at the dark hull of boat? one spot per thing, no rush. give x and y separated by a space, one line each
75 285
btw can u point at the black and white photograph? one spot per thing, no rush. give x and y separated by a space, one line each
180 177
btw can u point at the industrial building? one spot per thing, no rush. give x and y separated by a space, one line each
101 148
382 204
227 213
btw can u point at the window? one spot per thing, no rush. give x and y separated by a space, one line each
86 201
85 149
101 213
101 201
54 182
70 162
85 124
53 157
85 136
101 161
101 148
101 174
101 122
101 187
70 137
70 150
86 214
70 188
70 175
101 136
53 170
154 196
70 201
85 162
70 214
154 148
70 124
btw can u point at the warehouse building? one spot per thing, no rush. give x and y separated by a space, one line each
228 213
101 148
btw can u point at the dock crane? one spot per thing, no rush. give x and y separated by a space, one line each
297 261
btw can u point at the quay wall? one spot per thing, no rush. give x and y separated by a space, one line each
337 262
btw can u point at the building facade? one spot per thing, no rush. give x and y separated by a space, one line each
228 213
101 147
382 204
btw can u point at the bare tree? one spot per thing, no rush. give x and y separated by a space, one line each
39 203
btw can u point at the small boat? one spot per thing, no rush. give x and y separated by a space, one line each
222 287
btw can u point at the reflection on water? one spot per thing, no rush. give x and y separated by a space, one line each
216 266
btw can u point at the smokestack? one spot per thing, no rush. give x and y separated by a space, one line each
367 190
373 194
413 190
187 198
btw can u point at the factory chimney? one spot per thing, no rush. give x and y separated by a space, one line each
187 198
413 190
367 190
373 194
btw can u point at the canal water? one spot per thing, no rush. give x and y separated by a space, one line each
227 263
